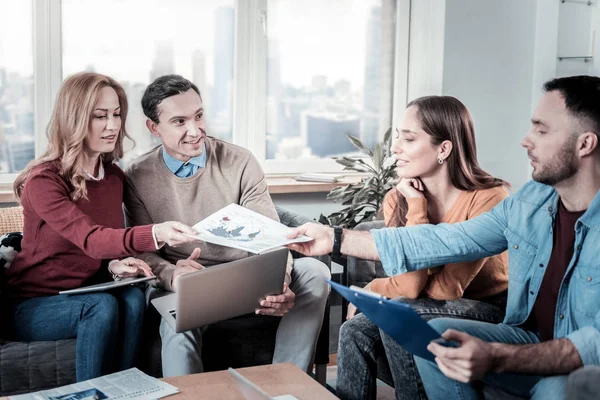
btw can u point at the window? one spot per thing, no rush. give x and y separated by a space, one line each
330 70
148 39
285 79
17 137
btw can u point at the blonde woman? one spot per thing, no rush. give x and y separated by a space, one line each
73 233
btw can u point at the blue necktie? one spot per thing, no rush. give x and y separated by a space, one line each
186 170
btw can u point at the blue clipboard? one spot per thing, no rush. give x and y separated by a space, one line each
395 318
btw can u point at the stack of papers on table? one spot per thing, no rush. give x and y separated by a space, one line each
128 384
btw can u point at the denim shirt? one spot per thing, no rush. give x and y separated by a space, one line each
523 223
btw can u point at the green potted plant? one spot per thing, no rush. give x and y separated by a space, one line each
363 200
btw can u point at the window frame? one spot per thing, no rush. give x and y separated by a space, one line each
250 84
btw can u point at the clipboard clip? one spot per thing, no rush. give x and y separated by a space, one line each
367 292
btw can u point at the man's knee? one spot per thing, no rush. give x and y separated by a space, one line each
189 339
311 273
441 325
583 384
550 388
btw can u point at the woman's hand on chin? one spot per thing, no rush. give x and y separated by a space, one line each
410 187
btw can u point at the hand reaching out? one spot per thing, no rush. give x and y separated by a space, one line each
174 234
321 244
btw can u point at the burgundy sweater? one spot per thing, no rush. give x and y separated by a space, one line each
65 241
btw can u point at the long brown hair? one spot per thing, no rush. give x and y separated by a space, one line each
446 118
68 127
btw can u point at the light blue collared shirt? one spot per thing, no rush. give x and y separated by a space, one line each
188 168
524 224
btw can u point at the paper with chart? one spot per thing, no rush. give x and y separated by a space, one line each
241 228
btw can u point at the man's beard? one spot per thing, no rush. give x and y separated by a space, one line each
561 167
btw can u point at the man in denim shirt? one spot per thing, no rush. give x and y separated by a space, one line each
551 228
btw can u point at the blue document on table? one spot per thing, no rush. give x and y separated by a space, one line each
395 318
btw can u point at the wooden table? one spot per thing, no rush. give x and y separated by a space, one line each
275 379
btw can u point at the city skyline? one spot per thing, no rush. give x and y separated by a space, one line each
335 24
299 114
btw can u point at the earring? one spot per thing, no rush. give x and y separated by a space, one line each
440 160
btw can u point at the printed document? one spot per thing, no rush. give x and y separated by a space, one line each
128 384
241 228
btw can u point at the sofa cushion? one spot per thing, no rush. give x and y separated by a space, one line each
27 367
11 219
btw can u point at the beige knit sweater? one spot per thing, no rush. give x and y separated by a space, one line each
154 194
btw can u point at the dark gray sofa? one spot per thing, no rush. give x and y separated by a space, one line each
239 342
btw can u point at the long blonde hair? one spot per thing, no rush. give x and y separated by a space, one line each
68 127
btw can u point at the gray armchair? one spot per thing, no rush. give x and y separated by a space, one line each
28 367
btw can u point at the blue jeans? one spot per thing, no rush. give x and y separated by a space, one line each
105 324
363 345
438 386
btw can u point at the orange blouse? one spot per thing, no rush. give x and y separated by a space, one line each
474 280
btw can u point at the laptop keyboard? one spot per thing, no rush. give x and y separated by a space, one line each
173 313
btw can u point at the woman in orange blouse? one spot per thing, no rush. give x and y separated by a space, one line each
440 182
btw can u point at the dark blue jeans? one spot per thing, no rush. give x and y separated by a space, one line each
534 387
362 344
107 325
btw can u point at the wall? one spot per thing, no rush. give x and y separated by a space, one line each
488 59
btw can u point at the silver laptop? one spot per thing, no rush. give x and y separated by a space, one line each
250 391
223 291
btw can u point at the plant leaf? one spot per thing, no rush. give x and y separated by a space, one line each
324 220
362 201
387 137
377 157
359 145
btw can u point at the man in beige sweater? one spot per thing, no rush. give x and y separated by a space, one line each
189 177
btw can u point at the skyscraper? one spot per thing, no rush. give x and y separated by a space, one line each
379 72
325 132
164 60
223 68
199 73
372 91
20 150
275 117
